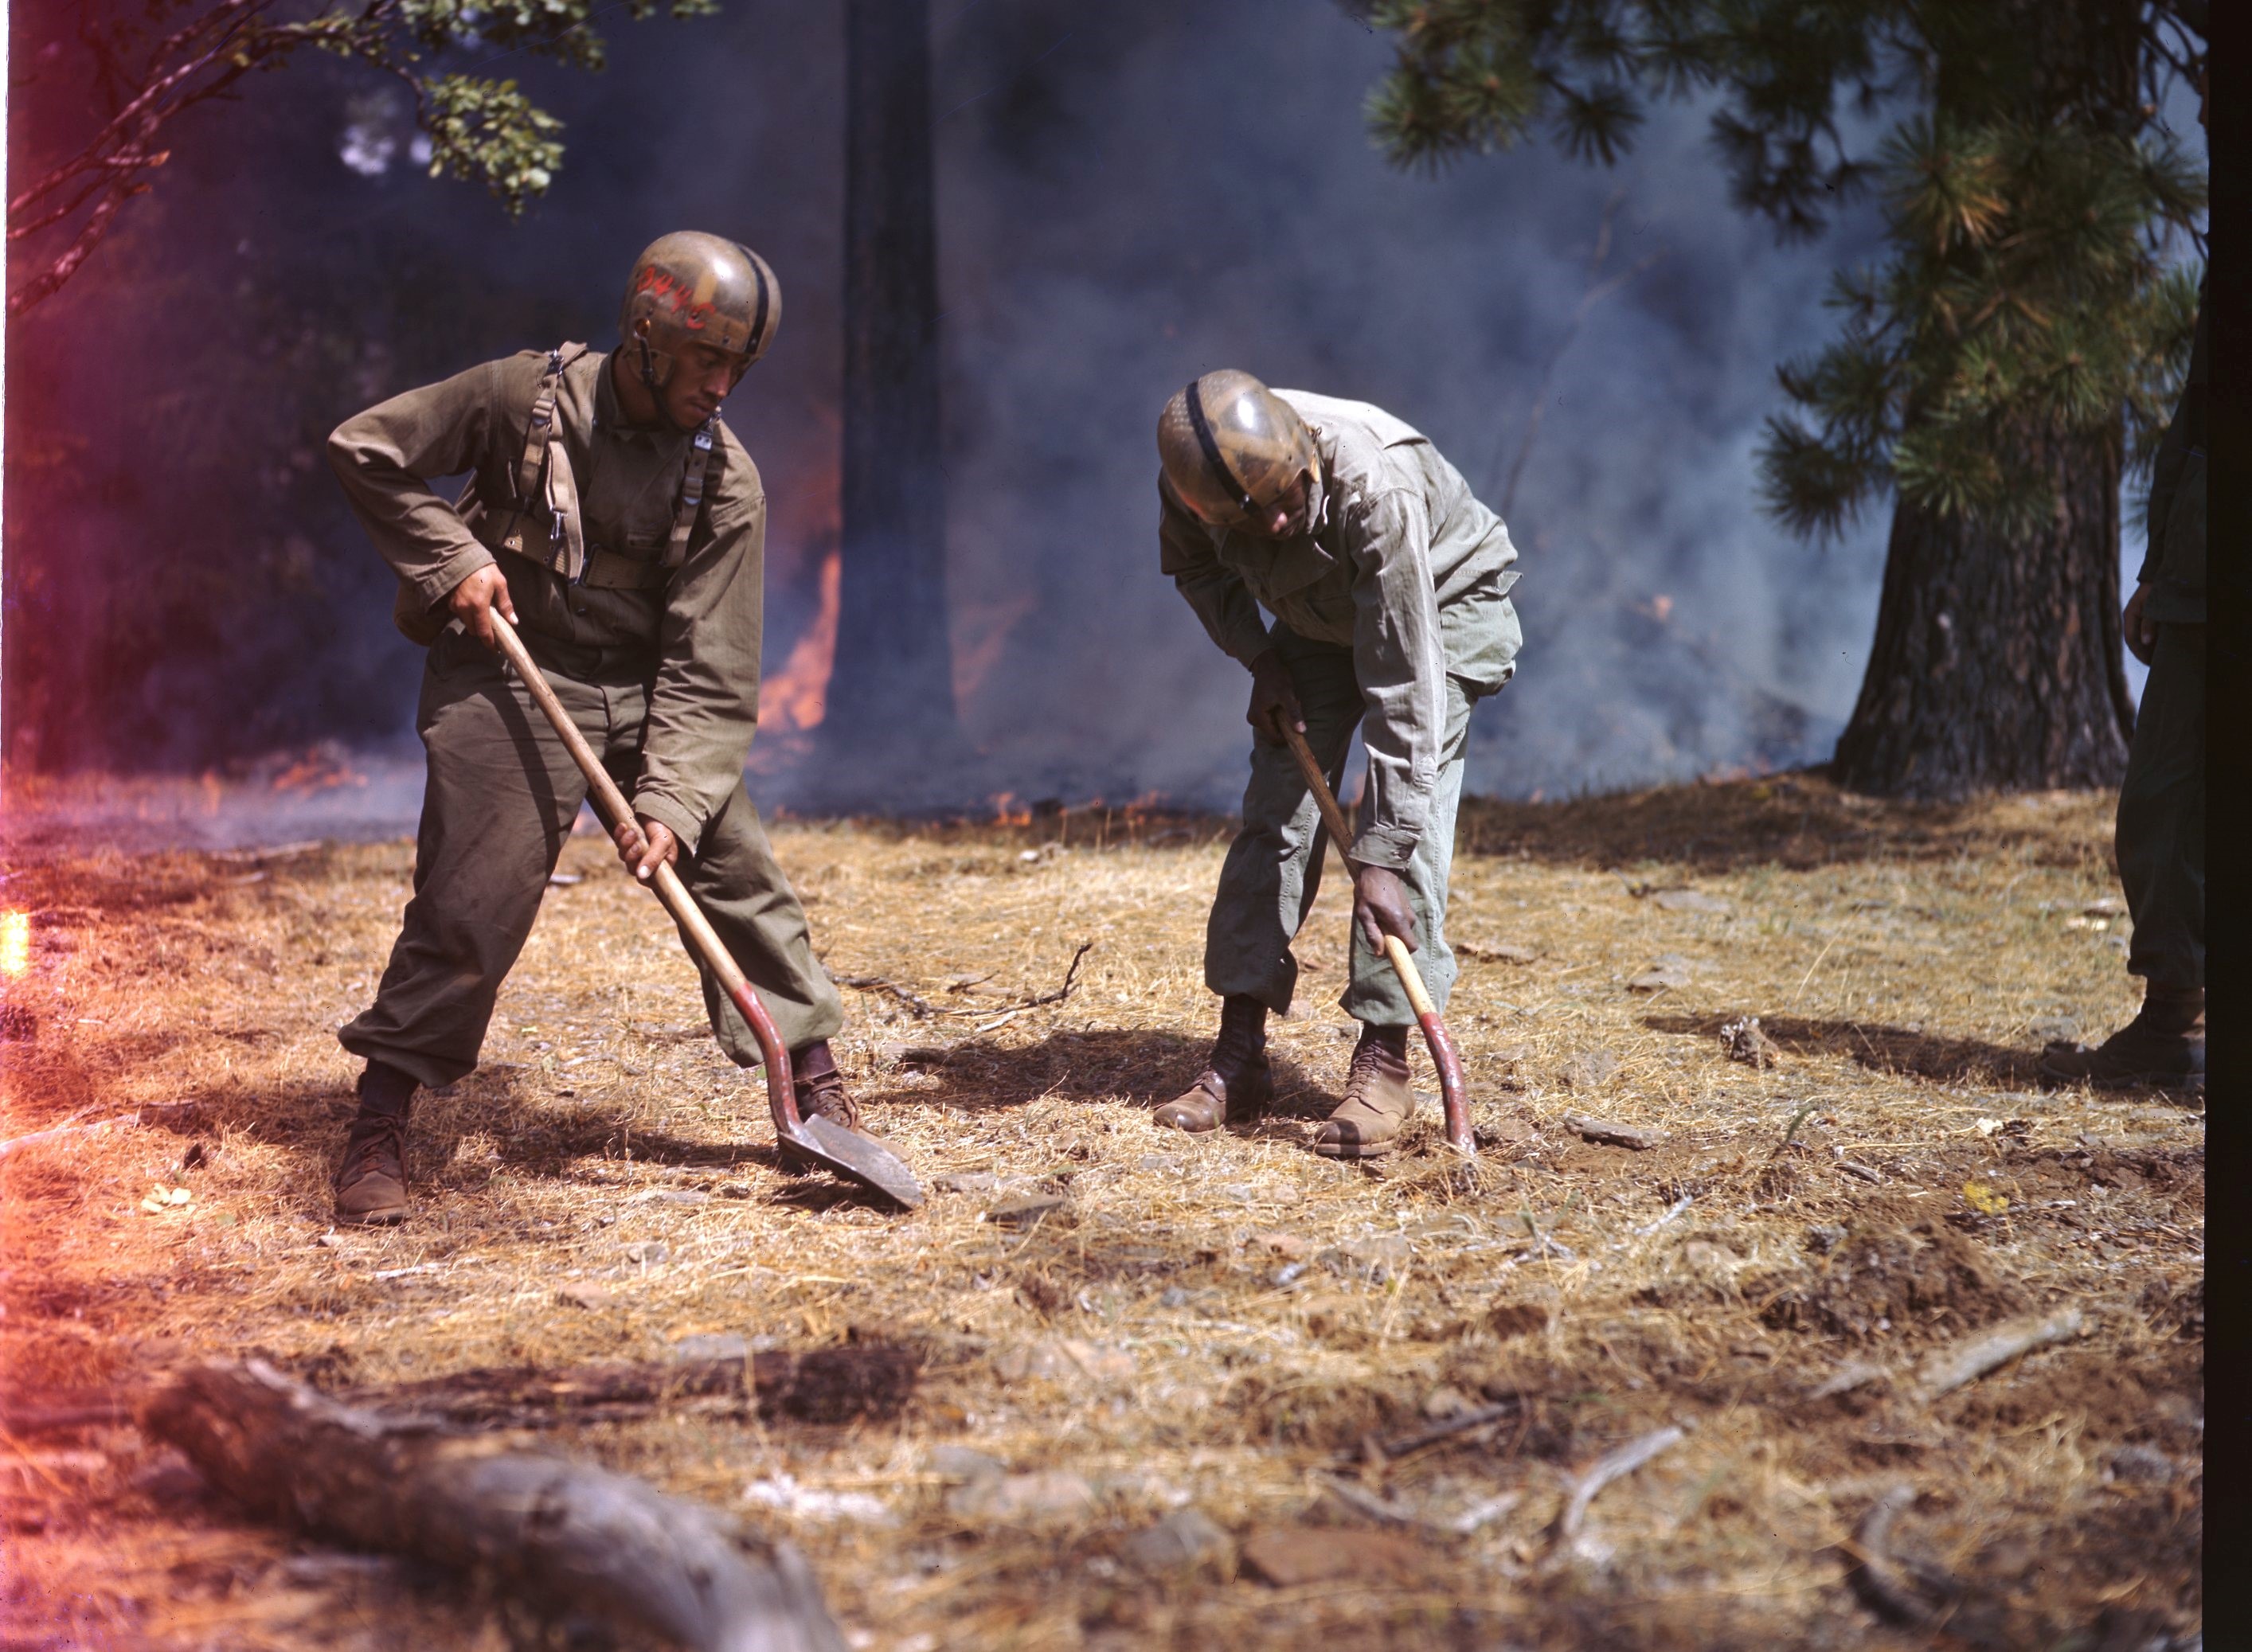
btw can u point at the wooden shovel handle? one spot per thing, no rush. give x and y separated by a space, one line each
1444 1056
611 804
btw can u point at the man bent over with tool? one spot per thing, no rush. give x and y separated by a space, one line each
621 526
1389 582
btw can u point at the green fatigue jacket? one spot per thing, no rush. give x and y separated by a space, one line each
2174 566
1407 568
699 627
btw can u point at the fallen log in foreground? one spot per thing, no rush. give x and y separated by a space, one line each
553 1531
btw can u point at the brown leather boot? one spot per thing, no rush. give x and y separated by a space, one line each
1378 1102
1239 1084
372 1181
2163 1047
820 1089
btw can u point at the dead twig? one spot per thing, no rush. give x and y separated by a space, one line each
1910 1594
1446 1428
1614 1466
922 1008
1605 1132
1967 1360
64 1131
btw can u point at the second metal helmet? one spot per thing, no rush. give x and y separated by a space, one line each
1231 446
689 287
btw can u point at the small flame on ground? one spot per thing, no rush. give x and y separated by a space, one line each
796 697
15 942
319 770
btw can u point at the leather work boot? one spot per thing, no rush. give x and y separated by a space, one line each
372 1181
820 1089
2163 1047
1378 1102
1239 1084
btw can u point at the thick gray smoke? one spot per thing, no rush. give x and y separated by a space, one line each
1129 196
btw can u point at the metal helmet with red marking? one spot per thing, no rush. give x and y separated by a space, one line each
1231 448
690 287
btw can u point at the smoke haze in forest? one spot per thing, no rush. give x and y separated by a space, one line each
1129 196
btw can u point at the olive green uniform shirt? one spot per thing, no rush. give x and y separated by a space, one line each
700 627
1407 568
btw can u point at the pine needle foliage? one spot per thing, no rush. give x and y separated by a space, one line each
2033 205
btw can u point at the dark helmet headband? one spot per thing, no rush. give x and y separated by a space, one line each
1212 460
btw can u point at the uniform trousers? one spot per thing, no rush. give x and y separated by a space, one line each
500 799
1273 871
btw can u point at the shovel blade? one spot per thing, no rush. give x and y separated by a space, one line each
855 1158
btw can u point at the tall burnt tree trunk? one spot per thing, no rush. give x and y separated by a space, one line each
892 691
1997 664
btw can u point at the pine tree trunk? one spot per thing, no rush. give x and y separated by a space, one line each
893 683
1997 664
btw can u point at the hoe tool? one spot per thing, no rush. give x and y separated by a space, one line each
1442 1042
851 1156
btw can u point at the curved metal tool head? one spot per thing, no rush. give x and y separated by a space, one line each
854 1157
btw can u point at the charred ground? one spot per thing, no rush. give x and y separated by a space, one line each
1230 1323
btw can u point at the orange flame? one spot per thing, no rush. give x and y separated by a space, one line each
797 696
1008 812
15 942
319 770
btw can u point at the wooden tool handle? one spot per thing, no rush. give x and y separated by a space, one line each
1444 1056
1318 783
611 804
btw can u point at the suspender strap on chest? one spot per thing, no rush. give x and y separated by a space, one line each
542 459
691 493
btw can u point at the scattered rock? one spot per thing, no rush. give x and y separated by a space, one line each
1589 1070
648 1251
1291 1245
963 1463
1174 1296
1709 1260
674 1196
1288 1556
590 1297
1748 1042
1668 972
1379 1260
1605 1132
734 1190
1063 1359
1504 1131
712 1345
1510 1055
2054 1029
1023 1209
1184 1537
1446 1401
1689 901
964 1181
2104 907
1157 1162
1050 1495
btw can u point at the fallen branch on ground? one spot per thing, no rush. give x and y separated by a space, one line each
1967 1360
1447 1427
64 1131
923 1009
551 1531
1614 1466
1909 1593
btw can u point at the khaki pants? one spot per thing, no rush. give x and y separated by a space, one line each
501 798
2161 829
1272 871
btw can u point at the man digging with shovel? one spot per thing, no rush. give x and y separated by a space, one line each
1389 582
618 522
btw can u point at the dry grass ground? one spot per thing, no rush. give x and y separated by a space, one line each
1223 1322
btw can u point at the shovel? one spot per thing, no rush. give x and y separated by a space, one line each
851 1156
1435 1035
